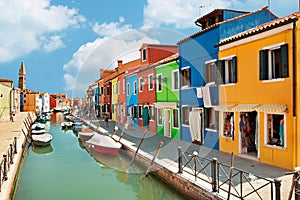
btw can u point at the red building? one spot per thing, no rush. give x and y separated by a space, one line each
149 55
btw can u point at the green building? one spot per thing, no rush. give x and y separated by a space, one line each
167 97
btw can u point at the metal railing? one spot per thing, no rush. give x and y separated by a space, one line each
7 161
226 178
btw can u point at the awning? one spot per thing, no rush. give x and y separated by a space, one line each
272 108
244 107
172 105
224 107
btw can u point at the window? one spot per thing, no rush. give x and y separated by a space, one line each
102 90
211 118
186 78
175 80
275 129
175 118
128 89
151 112
108 91
140 111
123 85
228 124
113 89
150 82
141 84
134 87
159 83
210 71
144 55
273 63
226 71
159 116
185 115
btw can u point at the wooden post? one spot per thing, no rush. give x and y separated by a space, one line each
15 143
4 168
141 141
122 133
230 176
277 189
26 136
214 174
155 156
179 160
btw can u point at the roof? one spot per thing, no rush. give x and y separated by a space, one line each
171 58
6 80
223 22
261 28
157 45
204 17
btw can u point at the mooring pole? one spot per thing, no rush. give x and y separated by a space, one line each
4 167
141 141
179 160
15 143
155 156
122 133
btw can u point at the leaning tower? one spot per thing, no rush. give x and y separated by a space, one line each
22 77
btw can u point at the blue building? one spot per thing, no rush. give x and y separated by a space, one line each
201 72
131 81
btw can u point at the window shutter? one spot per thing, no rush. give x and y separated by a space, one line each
263 64
205 74
220 72
206 119
234 69
284 61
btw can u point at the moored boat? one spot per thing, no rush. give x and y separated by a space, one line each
104 144
38 126
42 140
38 131
86 134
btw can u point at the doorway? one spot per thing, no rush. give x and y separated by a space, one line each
167 128
249 133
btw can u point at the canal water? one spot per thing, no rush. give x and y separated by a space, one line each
66 170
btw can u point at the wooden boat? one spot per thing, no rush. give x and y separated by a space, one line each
42 140
38 132
104 144
86 134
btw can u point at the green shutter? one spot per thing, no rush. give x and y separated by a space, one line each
263 64
205 74
220 72
234 69
284 61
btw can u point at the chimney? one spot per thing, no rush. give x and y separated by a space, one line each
120 64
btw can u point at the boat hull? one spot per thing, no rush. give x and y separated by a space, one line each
103 144
42 140
105 150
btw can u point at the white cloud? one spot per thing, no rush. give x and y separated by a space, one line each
32 25
111 29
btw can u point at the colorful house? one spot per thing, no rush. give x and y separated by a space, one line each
167 97
198 69
114 98
259 111
150 54
6 86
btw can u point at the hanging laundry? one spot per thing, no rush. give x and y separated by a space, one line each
195 125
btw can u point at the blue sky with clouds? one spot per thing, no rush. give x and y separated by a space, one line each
65 43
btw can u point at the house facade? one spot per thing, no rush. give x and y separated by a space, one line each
199 75
167 97
114 97
6 86
259 112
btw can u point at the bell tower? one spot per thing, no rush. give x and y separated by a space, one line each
22 77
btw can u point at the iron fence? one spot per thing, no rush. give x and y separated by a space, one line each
228 179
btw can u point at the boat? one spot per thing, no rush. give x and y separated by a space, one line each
38 132
38 126
104 144
78 125
66 124
42 140
86 134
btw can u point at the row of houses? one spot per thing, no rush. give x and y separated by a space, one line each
233 86
18 99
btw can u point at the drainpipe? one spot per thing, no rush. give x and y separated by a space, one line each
294 52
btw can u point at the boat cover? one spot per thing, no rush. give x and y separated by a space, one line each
104 141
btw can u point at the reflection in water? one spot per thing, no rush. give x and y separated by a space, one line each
42 150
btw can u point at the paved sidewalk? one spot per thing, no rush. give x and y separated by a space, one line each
170 151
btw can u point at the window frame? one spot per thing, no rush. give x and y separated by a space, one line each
174 81
183 81
266 139
134 87
141 84
144 54
150 82
159 87
223 125
159 118
128 89
185 109
173 118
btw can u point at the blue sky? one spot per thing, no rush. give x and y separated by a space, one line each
64 43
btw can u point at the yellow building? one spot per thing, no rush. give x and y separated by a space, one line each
259 100
5 98
114 99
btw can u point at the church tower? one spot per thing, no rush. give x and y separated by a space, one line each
22 77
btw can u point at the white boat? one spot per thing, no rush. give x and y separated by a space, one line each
42 140
38 126
86 134
38 132
66 124
104 144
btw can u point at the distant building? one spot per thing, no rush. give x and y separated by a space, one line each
5 98
22 77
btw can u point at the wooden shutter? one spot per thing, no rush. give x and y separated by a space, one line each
263 64
234 69
284 61
220 72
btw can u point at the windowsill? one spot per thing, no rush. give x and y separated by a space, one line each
274 80
185 87
274 147
228 84
225 137
212 130
184 125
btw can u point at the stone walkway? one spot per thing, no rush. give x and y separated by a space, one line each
8 131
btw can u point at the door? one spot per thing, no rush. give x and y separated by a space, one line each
167 121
